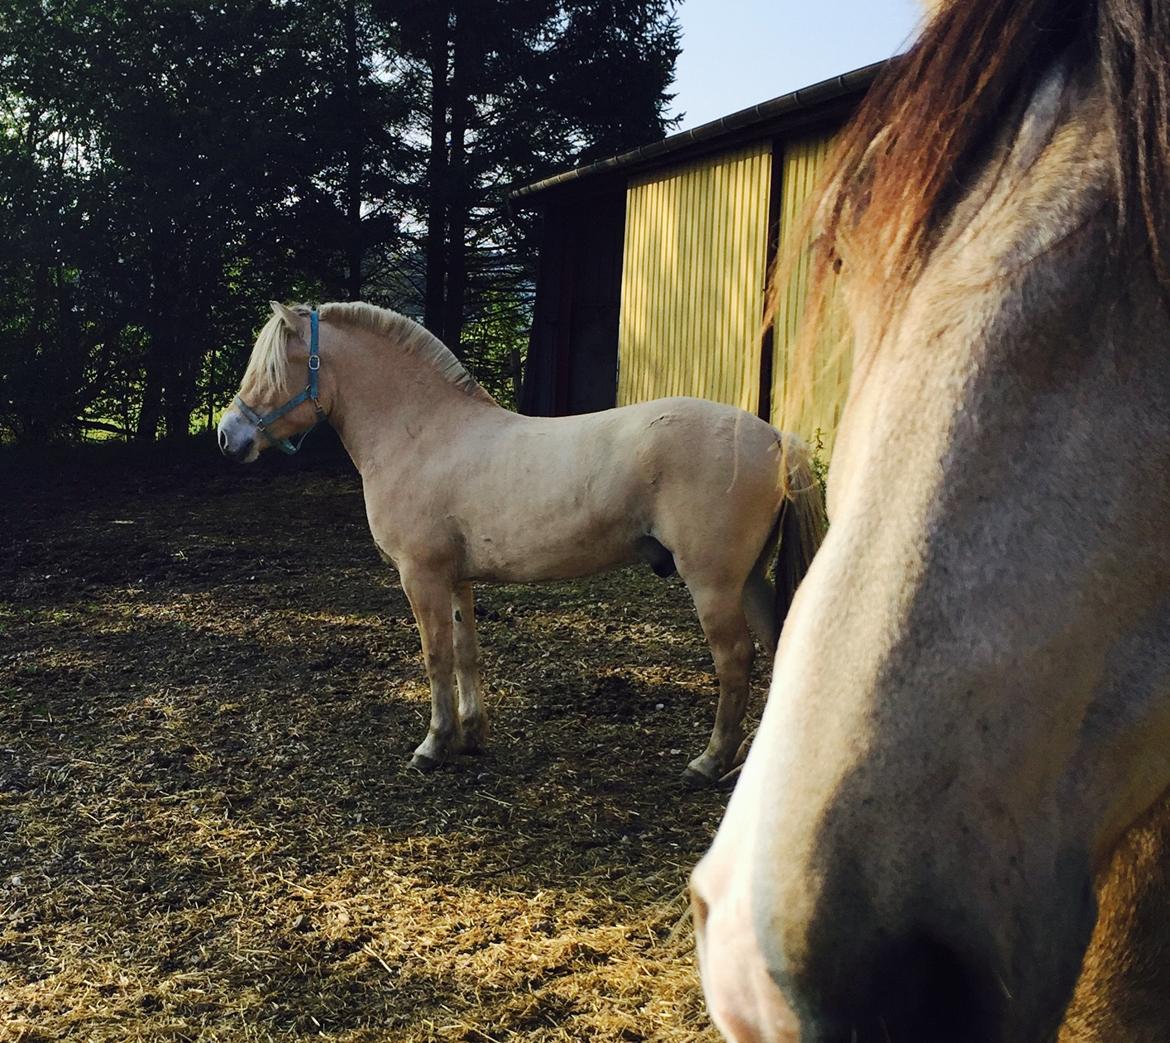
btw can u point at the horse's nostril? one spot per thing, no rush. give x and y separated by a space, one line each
923 990
223 442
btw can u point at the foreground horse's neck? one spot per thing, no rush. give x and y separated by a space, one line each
392 400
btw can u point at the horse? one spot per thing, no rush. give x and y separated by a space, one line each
460 490
954 821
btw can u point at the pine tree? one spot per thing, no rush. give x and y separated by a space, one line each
166 167
515 89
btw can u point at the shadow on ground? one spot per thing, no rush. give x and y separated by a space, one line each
210 687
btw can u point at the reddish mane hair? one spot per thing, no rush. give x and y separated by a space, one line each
935 111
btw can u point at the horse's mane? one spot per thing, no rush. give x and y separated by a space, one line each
922 133
267 368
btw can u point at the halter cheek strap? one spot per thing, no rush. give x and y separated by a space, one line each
310 394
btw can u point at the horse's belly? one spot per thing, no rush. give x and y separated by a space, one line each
545 557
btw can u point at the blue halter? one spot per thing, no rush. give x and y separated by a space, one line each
286 445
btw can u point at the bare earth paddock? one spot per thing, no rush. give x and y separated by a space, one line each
209 689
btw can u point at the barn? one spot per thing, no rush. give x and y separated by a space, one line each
653 264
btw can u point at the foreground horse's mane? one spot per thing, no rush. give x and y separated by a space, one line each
268 365
934 113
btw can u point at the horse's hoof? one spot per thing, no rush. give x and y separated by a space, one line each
421 762
694 779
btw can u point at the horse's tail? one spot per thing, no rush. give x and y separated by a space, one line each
802 523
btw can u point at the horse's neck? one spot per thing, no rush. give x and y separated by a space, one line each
391 403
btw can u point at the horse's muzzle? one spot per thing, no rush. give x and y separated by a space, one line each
743 1000
235 442
899 985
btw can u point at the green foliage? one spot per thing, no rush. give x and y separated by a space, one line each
817 461
495 340
155 157
167 167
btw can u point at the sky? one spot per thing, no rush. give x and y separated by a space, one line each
736 53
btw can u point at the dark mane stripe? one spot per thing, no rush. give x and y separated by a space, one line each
935 111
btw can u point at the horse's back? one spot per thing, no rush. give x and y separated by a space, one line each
708 434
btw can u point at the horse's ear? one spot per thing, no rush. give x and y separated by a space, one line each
286 315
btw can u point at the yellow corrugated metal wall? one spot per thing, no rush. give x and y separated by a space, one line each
820 408
693 272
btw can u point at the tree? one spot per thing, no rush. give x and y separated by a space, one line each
513 90
167 166
165 158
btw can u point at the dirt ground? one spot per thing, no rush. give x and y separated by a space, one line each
209 690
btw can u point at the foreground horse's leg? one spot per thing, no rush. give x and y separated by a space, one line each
430 600
473 721
721 613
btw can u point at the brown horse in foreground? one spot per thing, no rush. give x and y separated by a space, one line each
952 825
459 490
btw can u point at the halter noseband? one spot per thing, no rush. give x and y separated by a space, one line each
286 445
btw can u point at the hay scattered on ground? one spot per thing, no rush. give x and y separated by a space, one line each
210 687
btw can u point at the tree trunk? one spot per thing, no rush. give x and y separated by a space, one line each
190 336
459 196
151 412
36 421
436 237
179 407
159 325
179 383
209 401
353 156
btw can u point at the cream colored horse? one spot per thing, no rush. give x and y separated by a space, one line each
953 822
458 489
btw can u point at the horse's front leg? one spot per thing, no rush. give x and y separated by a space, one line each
430 596
473 721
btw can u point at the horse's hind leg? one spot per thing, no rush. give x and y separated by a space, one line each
759 604
430 599
473 721
721 612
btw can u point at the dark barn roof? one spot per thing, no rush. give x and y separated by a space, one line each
831 99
